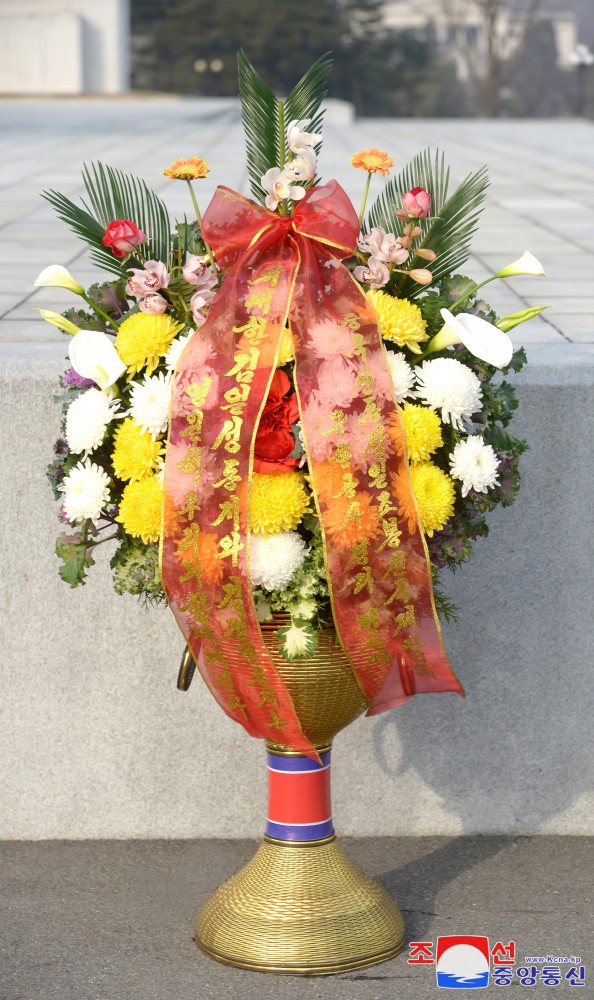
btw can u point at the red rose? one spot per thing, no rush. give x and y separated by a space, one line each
121 236
274 440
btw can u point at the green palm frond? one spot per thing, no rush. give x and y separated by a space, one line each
260 117
113 194
116 195
305 100
86 228
265 117
451 233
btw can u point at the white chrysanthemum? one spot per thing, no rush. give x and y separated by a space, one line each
475 464
149 403
174 353
86 492
447 385
403 377
276 558
87 419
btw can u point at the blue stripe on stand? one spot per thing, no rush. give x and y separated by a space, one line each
298 764
300 831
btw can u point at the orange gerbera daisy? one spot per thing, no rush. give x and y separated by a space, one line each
348 521
191 169
374 161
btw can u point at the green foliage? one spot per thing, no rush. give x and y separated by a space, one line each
76 558
447 609
454 217
136 571
297 641
265 117
519 359
113 194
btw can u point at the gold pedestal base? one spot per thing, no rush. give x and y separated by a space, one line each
300 909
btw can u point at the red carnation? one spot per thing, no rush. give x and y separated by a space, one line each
121 236
274 440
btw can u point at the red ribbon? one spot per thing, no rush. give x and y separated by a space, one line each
278 269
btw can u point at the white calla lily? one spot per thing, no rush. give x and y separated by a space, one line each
526 264
57 320
93 355
482 339
57 276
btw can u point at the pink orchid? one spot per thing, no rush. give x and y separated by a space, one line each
383 246
199 304
150 278
196 271
153 304
374 273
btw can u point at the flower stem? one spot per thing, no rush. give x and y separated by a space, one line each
100 312
209 252
364 202
282 151
100 541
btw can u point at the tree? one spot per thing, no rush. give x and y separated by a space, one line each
493 56
281 39
178 45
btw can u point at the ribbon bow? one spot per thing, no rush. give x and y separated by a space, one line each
283 269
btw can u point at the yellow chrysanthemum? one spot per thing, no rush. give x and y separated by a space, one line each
286 350
279 502
434 493
422 428
140 509
374 161
191 169
143 339
135 454
398 320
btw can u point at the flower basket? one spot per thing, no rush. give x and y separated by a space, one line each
290 418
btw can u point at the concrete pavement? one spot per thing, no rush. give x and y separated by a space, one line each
114 920
541 196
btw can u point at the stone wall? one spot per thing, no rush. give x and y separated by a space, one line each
95 740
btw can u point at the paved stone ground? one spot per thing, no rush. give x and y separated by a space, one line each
542 195
114 920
